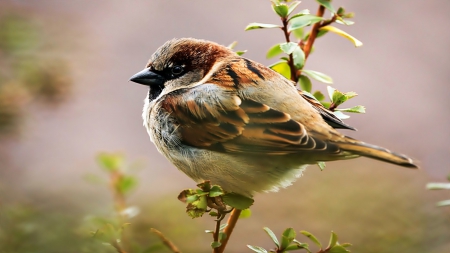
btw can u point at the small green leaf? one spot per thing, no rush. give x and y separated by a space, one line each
237 201
297 246
246 213
110 162
289 47
301 13
340 115
232 45
298 33
283 68
333 240
311 237
338 31
443 203
215 191
257 249
354 109
321 165
209 231
319 96
346 245
327 4
274 51
192 198
253 26
126 184
272 236
299 58
241 52
438 186
205 186
302 21
293 6
321 77
338 249
287 237
223 226
215 245
351 94
222 236
280 8
305 83
342 21
213 214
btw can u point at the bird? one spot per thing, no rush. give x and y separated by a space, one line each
221 117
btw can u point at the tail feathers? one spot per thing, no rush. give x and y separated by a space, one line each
375 152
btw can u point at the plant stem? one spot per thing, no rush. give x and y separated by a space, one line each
232 220
166 241
294 76
313 34
216 233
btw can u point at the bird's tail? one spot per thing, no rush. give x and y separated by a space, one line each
375 152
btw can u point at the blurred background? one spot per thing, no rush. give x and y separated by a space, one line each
65 97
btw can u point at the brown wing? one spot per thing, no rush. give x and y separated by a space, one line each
212 118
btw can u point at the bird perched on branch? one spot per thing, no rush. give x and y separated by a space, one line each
221 117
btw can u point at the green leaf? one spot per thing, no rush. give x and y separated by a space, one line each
288 48
301 13
223 226
110 162
297 246
321 165
209 231
283 68
311 237
215 245
338 31
342 21
237 201
126 184
305 83
257 249
253 26
222 236
241 52
319 96
274 51
232 45
213 214
293 6
299 58
302 21
272 236
443 203
338 249
346 245
287 237
321 77
246 213
438 186
354 109
340 115
280 8
215 191
327 4
192 198
298 33
333 240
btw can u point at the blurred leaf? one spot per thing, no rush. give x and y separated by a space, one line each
438 186
223 226
305 83
215 191
321 165
340 115
274 51
257 249
241 52
272 236
302 21
443 203
354 109
338 249
281 9
289 47
342 21
338 31
253 26
215 245
321 77
110 162
237 201
197 208
301 13
246 213
298 33
292 7
213 214
232 45
192 198
94 179
299 58
319 96
283 68
333 240
327 4
205 186
287 237
346 245
126 184
312 238
222 236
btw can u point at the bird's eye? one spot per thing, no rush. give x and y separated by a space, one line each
177 69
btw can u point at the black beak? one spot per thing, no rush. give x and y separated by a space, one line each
148 77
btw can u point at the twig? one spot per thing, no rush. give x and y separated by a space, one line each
232 220
117 247
166 241
313 34
291 59
216 233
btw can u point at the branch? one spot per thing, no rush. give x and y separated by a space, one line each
166 241
313 34
232 220
117 247
294 76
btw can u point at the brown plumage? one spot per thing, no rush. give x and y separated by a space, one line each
221 117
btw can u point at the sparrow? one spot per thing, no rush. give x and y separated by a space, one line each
221 117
